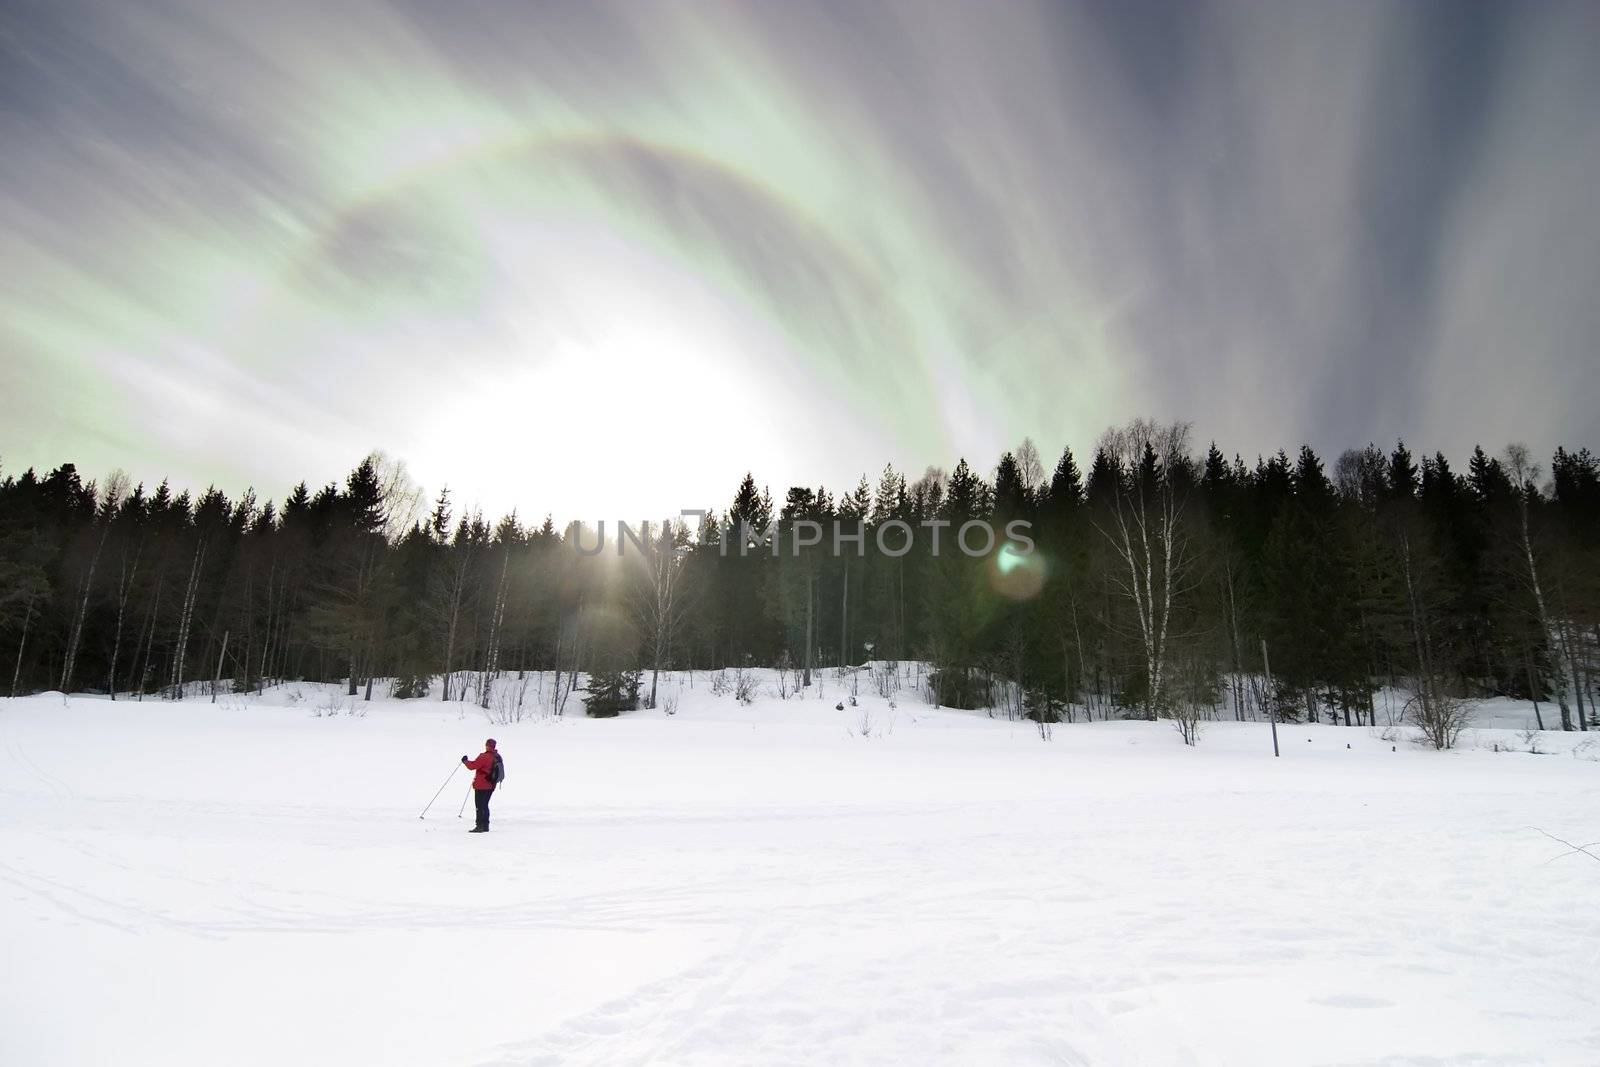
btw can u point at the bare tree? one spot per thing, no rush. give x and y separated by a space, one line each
1029 466
22 643
116 488
24 586
191 591
497 618
1229 562
1193 692
569 644
453 583
1441 716
128 559
147 635
1147 532
660 590
402 497
1524 474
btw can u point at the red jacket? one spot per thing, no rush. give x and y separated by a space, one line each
483 765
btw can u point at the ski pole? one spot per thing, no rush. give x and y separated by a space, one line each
464 804
436 795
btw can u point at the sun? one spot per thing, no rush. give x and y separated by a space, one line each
648 384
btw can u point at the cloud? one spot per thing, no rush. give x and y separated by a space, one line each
917 230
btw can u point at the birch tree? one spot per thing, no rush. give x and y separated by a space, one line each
660 590
1524 474
129 554
1146 530
111 498
453 588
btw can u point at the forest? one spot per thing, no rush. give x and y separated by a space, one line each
1163 575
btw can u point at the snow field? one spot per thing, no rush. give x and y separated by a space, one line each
248 882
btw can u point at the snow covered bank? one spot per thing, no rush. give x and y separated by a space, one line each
248 882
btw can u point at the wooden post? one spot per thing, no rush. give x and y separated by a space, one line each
1271 718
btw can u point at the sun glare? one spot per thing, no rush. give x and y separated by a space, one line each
621 363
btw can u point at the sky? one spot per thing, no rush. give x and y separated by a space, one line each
600 259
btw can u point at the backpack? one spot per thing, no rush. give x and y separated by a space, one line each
497 773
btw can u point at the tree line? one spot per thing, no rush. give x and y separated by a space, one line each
1160 577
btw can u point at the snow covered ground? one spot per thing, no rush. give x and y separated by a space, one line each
249 883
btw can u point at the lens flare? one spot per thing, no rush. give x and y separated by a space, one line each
1017 575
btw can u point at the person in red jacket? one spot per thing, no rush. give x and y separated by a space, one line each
483 783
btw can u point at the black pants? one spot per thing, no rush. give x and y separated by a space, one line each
480 801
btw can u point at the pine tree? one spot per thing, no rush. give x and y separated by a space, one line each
611 692
439 521
1011 496
1065 494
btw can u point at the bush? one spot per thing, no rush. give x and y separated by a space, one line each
744 686
886 678
1440 715
1040 706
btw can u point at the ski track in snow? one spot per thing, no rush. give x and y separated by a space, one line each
729 888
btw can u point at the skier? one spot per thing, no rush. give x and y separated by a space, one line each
483 783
